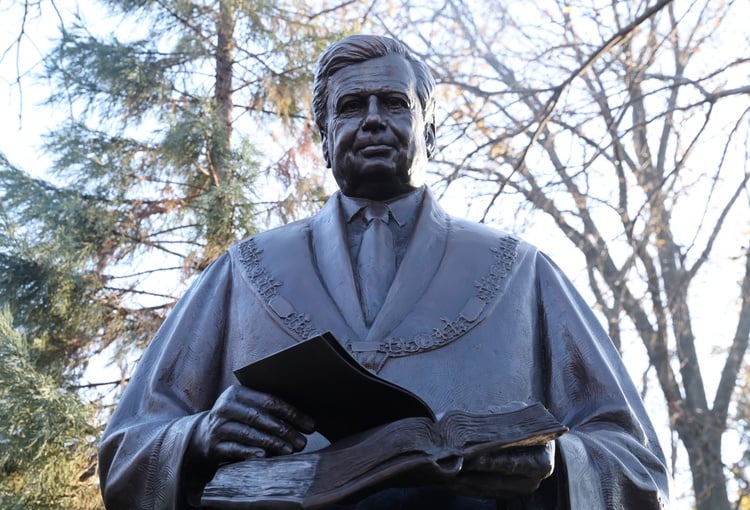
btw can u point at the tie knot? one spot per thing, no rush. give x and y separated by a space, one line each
376 211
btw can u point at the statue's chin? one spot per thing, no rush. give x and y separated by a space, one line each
376 182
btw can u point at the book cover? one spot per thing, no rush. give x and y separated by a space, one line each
321 379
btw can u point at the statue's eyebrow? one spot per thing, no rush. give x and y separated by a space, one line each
359 92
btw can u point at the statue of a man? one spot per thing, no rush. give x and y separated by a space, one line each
465 316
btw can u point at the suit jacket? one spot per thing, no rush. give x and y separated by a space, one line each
475 319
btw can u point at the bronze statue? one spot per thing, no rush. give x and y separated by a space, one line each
466 317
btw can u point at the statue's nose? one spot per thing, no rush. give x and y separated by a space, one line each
373 118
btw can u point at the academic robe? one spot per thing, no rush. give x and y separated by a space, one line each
475 319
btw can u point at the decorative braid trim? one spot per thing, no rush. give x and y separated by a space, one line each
264 283
450 330
487 287
267 287
505 255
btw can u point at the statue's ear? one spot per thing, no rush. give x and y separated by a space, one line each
429 139
326 155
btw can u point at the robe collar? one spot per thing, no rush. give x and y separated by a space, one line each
424 253
402 209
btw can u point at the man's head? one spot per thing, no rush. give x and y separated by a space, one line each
374 107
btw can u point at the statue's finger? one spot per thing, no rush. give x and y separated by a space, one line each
228 451
277 407
264 432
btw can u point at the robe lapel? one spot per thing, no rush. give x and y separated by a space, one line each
331 255
422 259
417 270
304 275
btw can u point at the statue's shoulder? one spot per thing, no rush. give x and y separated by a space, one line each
281 233
282 239
480 234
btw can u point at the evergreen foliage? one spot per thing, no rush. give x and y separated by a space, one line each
54 245
156 168
47 442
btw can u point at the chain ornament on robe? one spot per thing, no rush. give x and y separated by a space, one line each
374 355
487 287
267 287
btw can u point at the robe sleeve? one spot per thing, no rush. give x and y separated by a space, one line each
611 455
143 447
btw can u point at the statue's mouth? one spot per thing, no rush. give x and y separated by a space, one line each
376 150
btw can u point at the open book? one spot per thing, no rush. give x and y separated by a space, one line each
366 451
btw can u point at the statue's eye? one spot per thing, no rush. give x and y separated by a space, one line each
351 105
396 103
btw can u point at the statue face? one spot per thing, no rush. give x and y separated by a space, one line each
376 133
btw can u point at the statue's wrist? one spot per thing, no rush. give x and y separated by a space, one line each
197 450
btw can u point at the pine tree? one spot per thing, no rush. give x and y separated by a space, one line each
156 170
47 442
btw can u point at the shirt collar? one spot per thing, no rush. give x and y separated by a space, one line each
402 207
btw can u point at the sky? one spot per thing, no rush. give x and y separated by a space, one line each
24 119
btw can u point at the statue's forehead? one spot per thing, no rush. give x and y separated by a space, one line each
391 73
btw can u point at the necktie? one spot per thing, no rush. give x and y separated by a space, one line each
376 261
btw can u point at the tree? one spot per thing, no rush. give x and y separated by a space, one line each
626 124
152 179
47 442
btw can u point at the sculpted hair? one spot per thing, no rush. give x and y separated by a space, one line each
359 48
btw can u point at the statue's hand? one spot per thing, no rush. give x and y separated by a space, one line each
506 473
244 423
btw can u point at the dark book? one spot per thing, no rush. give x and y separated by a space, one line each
321 379
409 449
381 433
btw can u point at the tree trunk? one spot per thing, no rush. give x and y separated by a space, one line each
702 440
220 213
225 45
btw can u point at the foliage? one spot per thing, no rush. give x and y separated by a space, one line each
156 168
50 240
47 445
